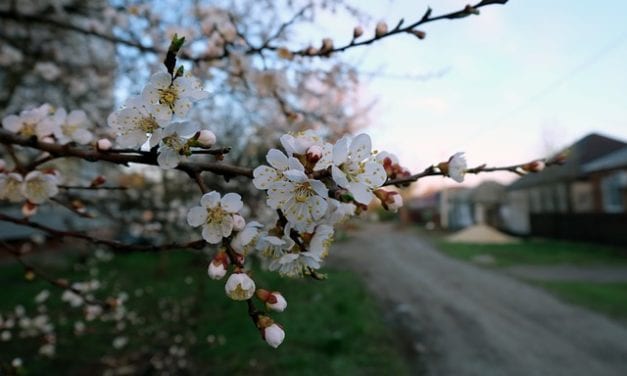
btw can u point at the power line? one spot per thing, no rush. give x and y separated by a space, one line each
560 81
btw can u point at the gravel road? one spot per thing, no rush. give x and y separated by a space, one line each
460 319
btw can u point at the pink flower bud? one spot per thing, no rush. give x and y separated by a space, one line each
217 270
391 200
357 32
29 209
419 33
381 29
276 302
238 222
314 153
273 335
535 166
104 144
206 138
98 181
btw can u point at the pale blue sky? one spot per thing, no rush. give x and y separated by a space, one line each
519 74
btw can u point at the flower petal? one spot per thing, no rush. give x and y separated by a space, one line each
360 147
210 200
232 202
340 151
296 176
264 177
361 193
277 159
197 216
339 177
212 233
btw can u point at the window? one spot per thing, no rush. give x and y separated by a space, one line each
613 192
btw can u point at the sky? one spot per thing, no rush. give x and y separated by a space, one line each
505 87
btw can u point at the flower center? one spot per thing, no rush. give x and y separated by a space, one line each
215 215
69 129
303 192
28 129
147 124
168 96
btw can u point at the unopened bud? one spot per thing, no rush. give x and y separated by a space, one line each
284 53
535 166
238 222
311 51
216 270
3 165
274 300
357 32
104 144
314 153
98 181
206 138
391 200
29 209
239 286
418 33
381 29
271 332
327 46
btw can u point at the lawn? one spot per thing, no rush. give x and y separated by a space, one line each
182 321
537 252
609 298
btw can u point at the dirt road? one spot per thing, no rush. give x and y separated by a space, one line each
460 319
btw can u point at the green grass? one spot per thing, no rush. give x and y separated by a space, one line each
333 327
609 298
537 252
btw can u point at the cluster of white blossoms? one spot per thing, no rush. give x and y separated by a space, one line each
157 116
49 124
35 188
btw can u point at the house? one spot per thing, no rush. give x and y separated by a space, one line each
571 201
609 181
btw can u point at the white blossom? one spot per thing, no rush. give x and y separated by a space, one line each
47 350
295 264
48 70
301 199
134 122
215 215
354 170
244 241
239 286
30 122
42 296
11 187
457 167
172 97
174 147
265 176
321 241
70 127
338 212
274 335
300 142
39 187
119 342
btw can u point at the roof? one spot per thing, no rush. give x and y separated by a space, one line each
615 160
587 149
